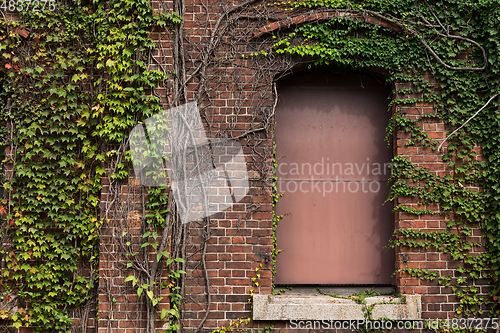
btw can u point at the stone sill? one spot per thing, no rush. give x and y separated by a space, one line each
288 307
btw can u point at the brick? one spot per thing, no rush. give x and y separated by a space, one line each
434 307
238 282
433 265
434 299
235 315
238 256
238 273
238 240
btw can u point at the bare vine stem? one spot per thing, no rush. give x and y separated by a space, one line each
472 117
434 54
205 272
212 43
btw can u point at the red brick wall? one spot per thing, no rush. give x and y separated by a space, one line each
238 96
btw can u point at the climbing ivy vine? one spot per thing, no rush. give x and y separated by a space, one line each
76 81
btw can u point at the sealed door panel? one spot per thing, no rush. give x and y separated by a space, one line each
333 170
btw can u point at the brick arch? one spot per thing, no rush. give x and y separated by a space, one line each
326 15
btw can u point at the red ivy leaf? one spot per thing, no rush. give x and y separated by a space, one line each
8 66
11 222
3 211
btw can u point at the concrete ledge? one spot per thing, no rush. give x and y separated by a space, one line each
283 307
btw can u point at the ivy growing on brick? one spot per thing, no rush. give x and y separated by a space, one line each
75 82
